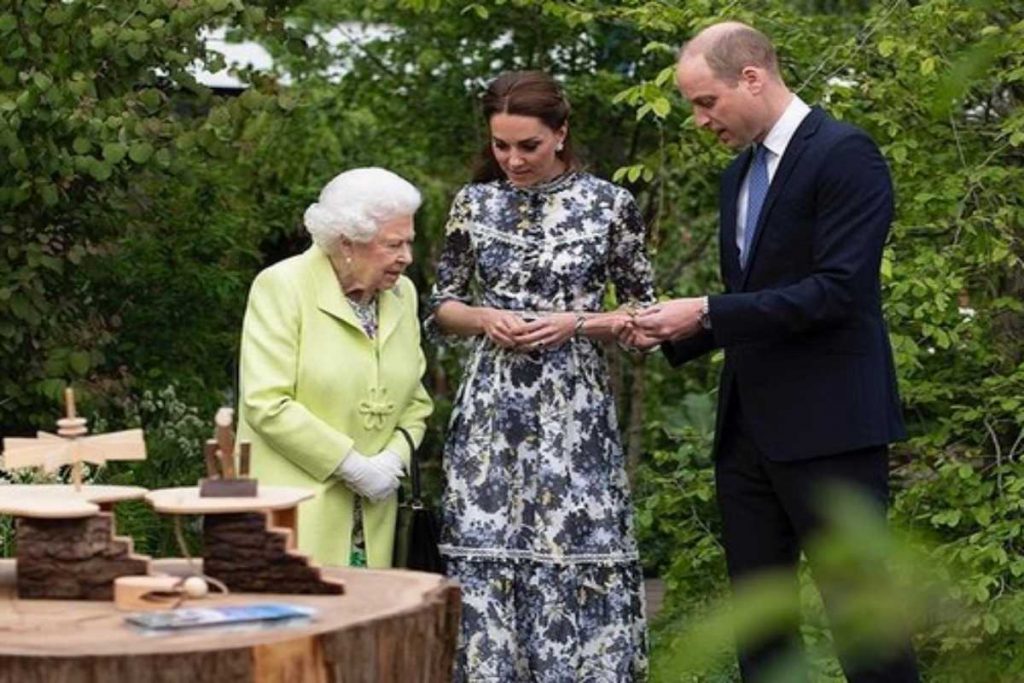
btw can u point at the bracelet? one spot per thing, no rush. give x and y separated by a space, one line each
580 320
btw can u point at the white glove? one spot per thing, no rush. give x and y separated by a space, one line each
368 477
391 461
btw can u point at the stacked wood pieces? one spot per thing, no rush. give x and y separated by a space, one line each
73 559
249 556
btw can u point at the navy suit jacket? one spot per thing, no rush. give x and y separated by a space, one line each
806 347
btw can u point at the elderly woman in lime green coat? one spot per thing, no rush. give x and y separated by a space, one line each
331 366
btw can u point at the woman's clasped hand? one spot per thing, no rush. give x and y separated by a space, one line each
514 331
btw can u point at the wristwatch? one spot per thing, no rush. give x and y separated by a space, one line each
705 315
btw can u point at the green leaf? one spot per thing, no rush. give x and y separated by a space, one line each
42 81
151 98
140 152
114 152
81 145
478 9
49 195
55 15
18 159
79 362
101 170
99 37
136 51
661 107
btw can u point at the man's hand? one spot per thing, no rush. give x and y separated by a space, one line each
631 336
669 320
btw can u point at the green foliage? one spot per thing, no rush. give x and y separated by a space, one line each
91 129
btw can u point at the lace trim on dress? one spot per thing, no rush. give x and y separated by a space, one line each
554 185
511 554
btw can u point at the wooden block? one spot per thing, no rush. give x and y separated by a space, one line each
74 559
228 488
146 593
249 556
210 455
244 455
287 518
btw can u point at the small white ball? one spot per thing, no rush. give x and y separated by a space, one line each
195 587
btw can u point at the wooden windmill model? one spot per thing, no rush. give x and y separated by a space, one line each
71 446
66 542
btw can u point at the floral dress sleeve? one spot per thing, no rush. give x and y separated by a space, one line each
456 265
629 269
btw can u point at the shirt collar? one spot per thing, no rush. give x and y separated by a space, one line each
782 132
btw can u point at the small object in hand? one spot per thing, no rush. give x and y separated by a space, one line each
580 322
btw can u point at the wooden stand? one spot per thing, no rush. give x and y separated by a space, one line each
248 555
66 547
392 627
73 559
250 542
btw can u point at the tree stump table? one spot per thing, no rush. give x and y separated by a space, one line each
389 626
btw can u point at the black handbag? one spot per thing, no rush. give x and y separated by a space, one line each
417 531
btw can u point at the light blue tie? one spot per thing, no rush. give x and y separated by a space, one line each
757 189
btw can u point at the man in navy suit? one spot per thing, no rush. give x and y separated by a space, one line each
808 391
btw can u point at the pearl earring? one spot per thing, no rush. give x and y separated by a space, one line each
560 146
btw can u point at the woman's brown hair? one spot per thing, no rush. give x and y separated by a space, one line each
524 93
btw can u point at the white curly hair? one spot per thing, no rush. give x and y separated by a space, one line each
356 202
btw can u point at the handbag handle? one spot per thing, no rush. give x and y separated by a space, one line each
414 466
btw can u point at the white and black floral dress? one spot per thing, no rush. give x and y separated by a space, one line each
538 523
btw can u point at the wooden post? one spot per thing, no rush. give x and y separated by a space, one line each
244 454
225 441
210 454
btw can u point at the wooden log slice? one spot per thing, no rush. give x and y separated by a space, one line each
391 626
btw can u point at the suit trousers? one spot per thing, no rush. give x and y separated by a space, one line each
769 510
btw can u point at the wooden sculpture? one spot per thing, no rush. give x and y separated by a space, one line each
221 480
65 535
71 446
249 538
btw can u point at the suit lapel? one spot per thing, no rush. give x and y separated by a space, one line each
794 150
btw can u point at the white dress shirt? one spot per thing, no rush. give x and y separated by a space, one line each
776 142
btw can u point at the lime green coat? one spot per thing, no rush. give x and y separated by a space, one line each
313 386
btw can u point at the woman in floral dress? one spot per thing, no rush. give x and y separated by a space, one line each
538 523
